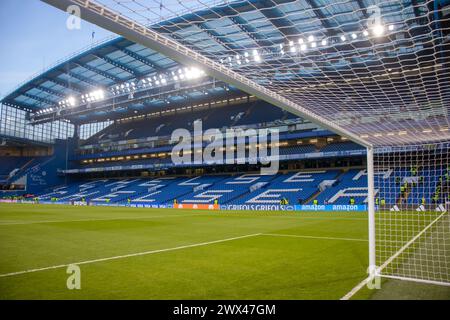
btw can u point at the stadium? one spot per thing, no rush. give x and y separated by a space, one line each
233 150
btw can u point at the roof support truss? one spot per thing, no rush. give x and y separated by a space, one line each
277 18
50 91
42 100
97 71
71 86
142 59
323 19
119 65
218 38
252 32
90 82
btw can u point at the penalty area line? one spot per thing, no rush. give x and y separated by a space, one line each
18 223
358 287
127 255
311 237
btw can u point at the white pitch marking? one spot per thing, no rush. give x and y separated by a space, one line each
358 287
178 215
105 219
385 264
127 255
311 237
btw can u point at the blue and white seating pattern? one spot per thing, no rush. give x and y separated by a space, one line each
325 186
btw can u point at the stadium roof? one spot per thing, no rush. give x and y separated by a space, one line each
385 83
117 67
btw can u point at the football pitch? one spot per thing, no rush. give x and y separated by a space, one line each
131 253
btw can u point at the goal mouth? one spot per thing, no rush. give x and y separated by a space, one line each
413 224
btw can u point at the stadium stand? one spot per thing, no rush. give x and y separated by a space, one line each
11 165
326 186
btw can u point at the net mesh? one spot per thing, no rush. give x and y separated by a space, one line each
378 68
412 186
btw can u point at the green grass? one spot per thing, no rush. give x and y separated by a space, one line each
256 267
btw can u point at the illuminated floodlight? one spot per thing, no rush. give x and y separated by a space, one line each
311 38
291 43
71 101
313 45
365 33
343 38
300 41
391 27
324 42
98 95
354 36
303 47
378 30
293 49
256 56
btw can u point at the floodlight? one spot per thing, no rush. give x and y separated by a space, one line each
71 101
378 30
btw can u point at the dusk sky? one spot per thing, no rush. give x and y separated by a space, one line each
34 35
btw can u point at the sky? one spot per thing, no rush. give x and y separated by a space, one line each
34 35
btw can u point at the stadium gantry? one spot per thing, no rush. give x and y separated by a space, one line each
372 72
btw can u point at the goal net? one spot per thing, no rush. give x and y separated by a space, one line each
412 186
